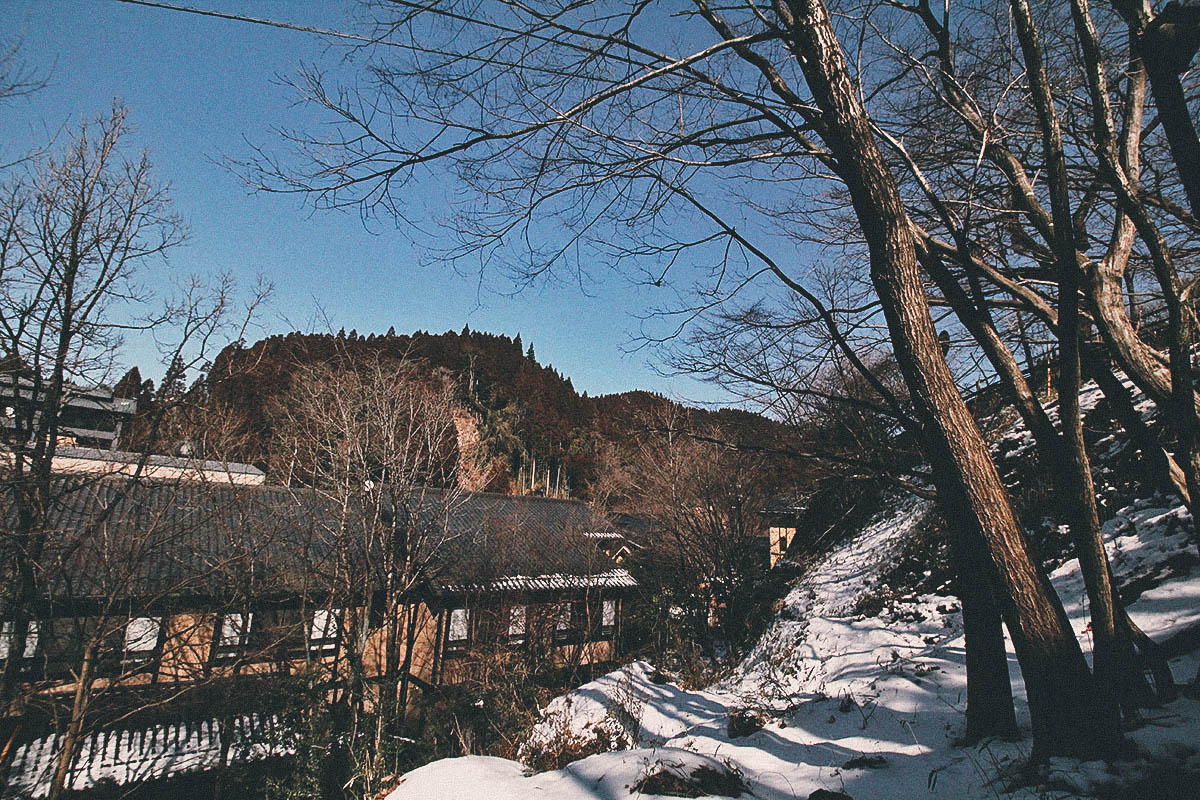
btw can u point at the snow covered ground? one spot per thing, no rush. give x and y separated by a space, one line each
869 706
129 756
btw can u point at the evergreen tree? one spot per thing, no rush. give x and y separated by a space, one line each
130 385
175 381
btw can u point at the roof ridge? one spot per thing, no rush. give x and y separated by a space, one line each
309 490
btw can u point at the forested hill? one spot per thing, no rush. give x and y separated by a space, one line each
526 413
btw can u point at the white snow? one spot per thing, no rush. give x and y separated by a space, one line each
129 756
609 776
867 705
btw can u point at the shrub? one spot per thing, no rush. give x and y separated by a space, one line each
703 781
745 721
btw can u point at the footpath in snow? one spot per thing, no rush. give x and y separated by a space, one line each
869 706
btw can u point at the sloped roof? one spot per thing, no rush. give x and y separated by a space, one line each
177 462
787 504
95 397
507 540
636 529
167 538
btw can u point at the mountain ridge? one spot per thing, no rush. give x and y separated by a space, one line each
527 416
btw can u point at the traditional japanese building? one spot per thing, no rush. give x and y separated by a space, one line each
188 580
89 417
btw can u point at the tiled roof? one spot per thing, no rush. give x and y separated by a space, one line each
637 530
612 579
787 504
166 538
94 397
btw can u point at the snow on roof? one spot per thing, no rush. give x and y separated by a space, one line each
612 579
603 535
177 462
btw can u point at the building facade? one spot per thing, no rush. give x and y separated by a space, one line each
159 584
89 417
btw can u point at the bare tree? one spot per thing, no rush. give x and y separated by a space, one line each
705 499
1052 246
75 229
376 441
1167 41
584 131
79 227
16 80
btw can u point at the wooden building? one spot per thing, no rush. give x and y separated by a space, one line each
163 583
90 417
784 516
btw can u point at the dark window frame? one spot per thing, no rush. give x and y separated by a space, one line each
523 635
223 652
452 643
35 629
564 628
609 627
143 660
326 645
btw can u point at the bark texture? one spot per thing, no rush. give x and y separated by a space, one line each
1067 719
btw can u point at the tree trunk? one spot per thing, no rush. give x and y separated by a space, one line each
989 690
1169 43
410 639
1067 718
1071 477
1079 490
74 732
1167 474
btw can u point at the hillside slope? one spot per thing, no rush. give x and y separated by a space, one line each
862 692
527 416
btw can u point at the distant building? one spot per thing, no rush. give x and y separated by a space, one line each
616 545
784 515
89 417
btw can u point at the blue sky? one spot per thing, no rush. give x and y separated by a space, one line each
199 89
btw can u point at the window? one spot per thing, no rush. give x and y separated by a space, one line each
279 633
459 629
31 639
233 633
516 623
324 631
608 615
781 540
562 620
141 638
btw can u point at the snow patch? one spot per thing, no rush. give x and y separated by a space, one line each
869 705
